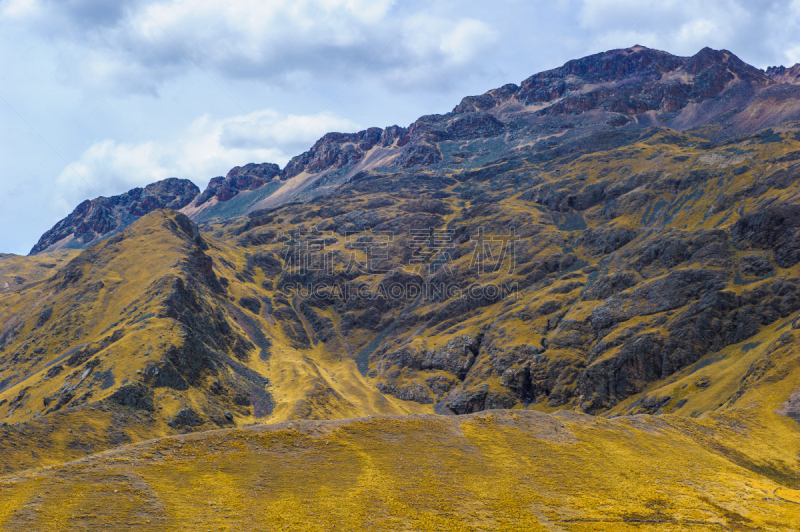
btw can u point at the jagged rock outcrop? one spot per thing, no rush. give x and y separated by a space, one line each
335 150
776 227
629 81
782 74
248 177
136 396
96 218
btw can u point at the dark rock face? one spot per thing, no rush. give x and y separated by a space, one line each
755 265
407 392
251 303
607 240
186 418
336 150
136 396
419 155
782 74
611 284
660 295
628 81
321 325
393 134
636 80
292 325
777 228
44 316
716 320
417 143
248 177
457 357
54 371
95 218
269 264
471 401
474 126
569 195
487 101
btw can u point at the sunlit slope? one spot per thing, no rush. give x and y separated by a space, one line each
308 379
17 270
52 328
75 347
146 334
490 471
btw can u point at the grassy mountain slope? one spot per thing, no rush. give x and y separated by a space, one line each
634 264
229 337
16 270
617 237
140 336
498 470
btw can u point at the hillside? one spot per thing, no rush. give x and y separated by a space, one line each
569 304
499 470
139 336
631 265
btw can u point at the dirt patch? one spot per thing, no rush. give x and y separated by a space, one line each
791 408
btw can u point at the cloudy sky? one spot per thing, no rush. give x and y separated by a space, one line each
99 96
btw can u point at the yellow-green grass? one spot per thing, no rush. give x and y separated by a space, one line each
497 470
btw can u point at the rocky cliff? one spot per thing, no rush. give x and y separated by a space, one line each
248 177
782 74
101 216
620 90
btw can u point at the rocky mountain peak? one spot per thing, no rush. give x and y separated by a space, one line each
248 177
625 89
98 217
629 81
782 74
336 150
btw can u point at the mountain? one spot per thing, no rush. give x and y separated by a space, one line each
636 257
576 285
785 75
608 94
151 328
102 216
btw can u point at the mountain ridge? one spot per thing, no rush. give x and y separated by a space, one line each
568 293
97 218
625 83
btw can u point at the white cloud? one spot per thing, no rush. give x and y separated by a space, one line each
757 31
792 55
202 150
466 40
18 8
268 128
270 40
